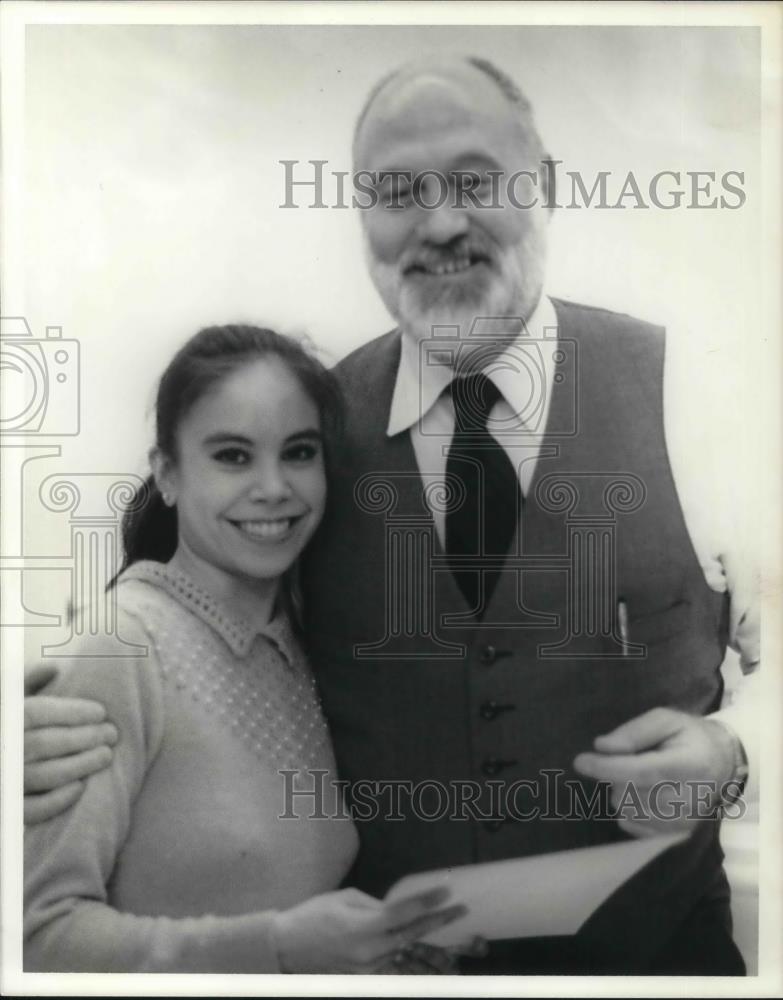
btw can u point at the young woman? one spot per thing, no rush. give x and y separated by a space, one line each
175 858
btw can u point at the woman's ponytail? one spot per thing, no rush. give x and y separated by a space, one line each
149 527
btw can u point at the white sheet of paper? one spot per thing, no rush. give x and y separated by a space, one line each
548 894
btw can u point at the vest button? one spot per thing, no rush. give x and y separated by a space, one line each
488 655
490 710
492 825
494 765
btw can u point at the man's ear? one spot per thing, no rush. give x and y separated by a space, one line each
163 473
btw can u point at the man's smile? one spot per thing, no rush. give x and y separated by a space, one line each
440 266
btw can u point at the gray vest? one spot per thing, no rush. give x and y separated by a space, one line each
415 690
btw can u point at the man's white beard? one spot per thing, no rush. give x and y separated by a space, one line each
515 293
461 317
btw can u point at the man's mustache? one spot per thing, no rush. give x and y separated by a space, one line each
462 252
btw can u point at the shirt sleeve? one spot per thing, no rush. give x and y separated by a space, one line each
69 925
738 556
712 464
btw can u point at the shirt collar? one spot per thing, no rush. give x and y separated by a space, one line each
239 634
418 386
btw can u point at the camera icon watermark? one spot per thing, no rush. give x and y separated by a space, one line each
41 386
40 400
504 350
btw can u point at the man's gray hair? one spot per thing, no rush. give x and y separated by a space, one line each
505 84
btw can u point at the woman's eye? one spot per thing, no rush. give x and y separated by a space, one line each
301 452
232 456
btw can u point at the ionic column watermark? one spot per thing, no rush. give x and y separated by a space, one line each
95 503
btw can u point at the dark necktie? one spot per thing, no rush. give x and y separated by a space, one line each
484 523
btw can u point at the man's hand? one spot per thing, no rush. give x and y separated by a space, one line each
65 741
420 959
667 769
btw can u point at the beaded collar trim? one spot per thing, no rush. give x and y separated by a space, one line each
237 633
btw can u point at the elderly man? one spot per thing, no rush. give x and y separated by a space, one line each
509 593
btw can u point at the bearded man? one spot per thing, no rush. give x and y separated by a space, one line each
513 587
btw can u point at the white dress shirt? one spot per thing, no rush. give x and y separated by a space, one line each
699 440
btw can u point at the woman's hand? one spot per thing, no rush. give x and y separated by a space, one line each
349 931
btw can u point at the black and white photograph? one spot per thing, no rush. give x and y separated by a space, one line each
391 462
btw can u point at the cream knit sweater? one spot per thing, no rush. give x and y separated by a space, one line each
175 856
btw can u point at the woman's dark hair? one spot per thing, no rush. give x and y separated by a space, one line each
149 527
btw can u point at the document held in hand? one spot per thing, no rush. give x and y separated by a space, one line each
539 896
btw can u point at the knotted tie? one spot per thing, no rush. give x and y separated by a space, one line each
484 523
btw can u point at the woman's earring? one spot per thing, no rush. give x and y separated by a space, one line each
167 499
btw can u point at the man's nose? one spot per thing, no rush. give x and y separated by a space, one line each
270 483
443 224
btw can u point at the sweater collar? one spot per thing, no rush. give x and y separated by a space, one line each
238 633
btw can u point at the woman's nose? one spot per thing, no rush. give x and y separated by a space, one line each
270 484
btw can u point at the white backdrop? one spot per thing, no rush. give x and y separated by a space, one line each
154 187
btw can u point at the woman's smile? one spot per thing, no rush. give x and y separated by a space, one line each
268 529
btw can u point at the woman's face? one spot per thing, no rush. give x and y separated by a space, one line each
249 479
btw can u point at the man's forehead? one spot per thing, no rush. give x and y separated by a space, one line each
435 100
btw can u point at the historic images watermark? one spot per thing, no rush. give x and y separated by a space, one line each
41 395
47 402
310 184
550 795
588 503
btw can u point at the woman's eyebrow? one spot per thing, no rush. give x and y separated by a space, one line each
220 437
310 434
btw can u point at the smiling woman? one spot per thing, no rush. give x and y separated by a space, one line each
244 422
248 482
174 858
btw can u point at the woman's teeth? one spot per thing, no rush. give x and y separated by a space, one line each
265 529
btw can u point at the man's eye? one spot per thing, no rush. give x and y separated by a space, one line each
301 453
396 193
476 180
232 456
